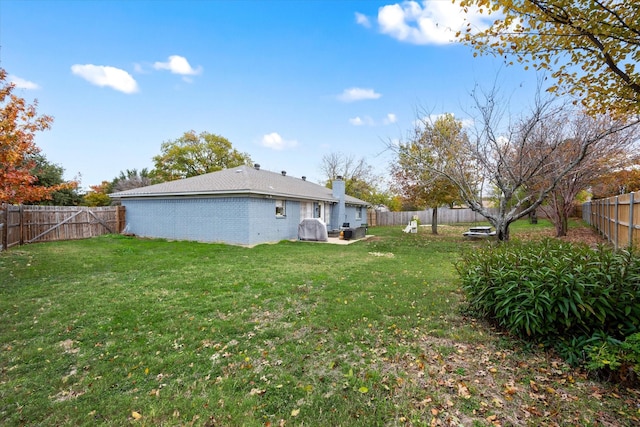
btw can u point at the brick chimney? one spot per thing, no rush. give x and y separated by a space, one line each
340 213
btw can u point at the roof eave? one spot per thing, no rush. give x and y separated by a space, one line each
219 193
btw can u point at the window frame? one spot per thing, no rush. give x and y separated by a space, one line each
282 205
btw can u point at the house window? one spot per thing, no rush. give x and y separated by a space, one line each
281 208
358 213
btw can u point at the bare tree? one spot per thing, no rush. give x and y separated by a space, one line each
360 179
603 157
346 166
130 179
510 155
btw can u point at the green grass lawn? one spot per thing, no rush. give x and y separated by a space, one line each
118 330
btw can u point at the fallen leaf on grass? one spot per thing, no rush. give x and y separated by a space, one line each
496 423
136 415
509 389
463 391
363 390
295 412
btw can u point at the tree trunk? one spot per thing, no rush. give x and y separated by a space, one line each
502 231
533 217
434 221
562 225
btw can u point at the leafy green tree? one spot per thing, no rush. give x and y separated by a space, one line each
51 175
415 170
387 198
395 204
196 154
591 47
98 195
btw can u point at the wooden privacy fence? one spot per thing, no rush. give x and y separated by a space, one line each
616 218
372 217
28 224
445 216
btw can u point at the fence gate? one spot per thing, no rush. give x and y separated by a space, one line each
28 224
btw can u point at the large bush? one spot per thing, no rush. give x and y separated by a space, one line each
555 292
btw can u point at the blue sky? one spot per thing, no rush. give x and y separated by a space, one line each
285 81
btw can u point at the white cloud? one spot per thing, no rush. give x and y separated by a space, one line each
358 94
274 141
22 83
363 20
178 65
356 121
391 118
362 121
101 75
138 68
428 22
368 121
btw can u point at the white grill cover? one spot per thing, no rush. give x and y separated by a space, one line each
312 229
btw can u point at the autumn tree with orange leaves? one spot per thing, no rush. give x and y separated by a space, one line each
19 123
616 183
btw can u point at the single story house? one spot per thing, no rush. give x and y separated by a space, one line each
243 205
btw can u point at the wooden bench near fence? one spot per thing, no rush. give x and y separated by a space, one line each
22 224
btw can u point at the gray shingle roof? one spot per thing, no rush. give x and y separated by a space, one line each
236 181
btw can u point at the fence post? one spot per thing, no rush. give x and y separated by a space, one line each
616 222
21 225
4 226
631 222
120 219
609 237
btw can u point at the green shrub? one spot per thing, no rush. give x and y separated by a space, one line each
612 357
555 292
